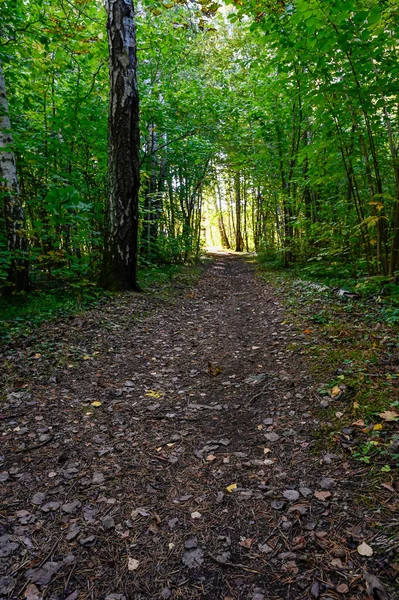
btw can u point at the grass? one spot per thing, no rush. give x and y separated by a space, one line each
352 343
381 292
168 279
21 314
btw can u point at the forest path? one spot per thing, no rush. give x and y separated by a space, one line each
165 449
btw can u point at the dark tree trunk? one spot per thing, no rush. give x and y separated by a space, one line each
18 274
119 268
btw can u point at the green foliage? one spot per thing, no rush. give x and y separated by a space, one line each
297 99
22 314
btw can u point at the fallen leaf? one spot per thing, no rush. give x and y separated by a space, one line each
388 486
88 541
196 515
231 487
265 548
210 457
375 589
32 593
272 436
153 394
44 575
260 427
389 415
132 564
246 543
323 496
38 498
336 391
291 495
193 558
364 549
307 331
298 543
342 588
377 427
327 483
96 403
7 584
266 450
359 423
356 405
139 511
214 369
278 504
315 590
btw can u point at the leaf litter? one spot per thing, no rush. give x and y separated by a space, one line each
159 479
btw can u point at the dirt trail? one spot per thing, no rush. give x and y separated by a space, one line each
177 459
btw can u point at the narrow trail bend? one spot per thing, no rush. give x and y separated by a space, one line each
178 460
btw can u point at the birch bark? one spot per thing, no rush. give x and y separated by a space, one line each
119 268
14 216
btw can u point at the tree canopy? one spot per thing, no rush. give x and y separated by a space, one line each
264 125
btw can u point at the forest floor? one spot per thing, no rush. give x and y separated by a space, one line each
169 447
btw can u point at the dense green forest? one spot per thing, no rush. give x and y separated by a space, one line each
264 125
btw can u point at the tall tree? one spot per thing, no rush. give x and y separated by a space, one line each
119 267
18 274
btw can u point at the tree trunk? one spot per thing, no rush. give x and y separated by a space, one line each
219 209
119 268
237 185
18 274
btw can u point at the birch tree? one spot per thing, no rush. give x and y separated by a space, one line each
14 217
119 267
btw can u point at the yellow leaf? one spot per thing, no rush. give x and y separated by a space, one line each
152 394
231 487
377 427
96 403
335 391
260 427
266 450
356 405
86 357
